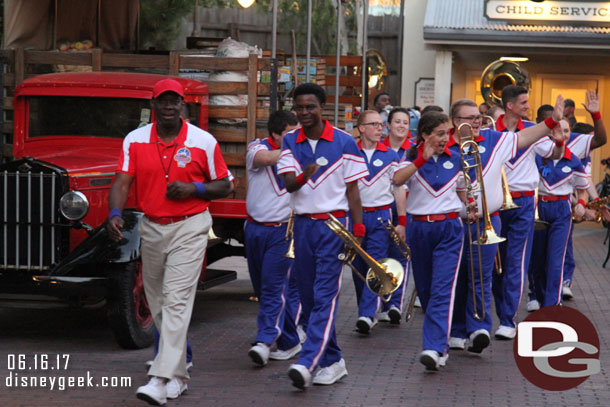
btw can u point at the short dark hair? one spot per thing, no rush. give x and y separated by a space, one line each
510 93
569 102
432 108
398 110
582 128
378 96
279 119
311 89
541 110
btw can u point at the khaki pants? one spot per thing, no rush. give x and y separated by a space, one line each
172 256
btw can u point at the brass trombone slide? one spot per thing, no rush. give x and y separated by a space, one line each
290 236
471 159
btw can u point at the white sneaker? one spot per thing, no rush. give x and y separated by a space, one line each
365 324
430 359
175 388
259 354
189 365
443 360
331 374
383 317
300 376
302 334
285 354
154 392
533 305
457 343
567 292
417 303
395 315
505 332
479 340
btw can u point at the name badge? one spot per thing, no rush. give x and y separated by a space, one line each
448 165
566 169
322 161
482 149
378 163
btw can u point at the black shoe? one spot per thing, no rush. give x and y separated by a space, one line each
479 340
395 316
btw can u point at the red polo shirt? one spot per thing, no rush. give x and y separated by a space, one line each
193 156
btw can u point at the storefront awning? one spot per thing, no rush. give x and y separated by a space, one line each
454 22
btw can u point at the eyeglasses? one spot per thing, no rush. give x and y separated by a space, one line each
374 124
470 118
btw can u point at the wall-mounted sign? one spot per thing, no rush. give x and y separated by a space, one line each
424 92
589 12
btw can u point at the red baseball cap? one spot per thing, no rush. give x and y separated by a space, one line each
167 85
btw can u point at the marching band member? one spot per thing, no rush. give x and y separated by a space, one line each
495 149
558 179
377 195
434 176
518 223
267 202
399 139
321 165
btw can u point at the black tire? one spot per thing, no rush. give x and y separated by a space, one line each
127 308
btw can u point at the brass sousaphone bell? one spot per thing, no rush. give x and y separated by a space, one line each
500 74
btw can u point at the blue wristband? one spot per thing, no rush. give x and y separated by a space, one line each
199 189
115 212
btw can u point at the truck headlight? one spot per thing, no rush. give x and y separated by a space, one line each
74 205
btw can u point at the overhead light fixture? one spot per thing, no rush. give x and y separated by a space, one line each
245 3
514 58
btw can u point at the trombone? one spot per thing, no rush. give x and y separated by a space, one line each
383 277
406 252
539 224
471 159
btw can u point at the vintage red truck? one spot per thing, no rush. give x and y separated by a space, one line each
68 133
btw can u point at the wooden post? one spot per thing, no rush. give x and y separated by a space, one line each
252 100
174 63
96 59
19 66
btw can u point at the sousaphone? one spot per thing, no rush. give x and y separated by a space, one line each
500 74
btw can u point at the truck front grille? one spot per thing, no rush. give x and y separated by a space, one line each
30 234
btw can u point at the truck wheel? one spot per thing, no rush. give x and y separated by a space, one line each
128 311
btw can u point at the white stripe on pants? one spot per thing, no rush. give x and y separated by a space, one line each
172 256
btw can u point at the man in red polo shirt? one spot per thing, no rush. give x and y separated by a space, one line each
178 169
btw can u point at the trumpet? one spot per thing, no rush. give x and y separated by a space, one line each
471 159
383 277
290 236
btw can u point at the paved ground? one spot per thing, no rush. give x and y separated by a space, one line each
383 370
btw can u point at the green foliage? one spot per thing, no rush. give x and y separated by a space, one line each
292 14
160 21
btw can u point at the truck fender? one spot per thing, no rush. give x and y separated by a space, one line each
99 248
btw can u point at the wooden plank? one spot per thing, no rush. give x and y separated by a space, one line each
7 103
213 63
345 60
264 64
353 80
135 61
239 112
7 150
7 127
96 59
9 80
174 63
9 55
58 57
235 159
252 79
236 88
354 100
233 134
